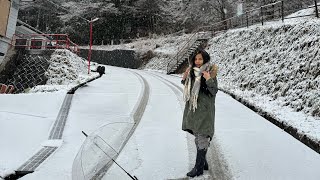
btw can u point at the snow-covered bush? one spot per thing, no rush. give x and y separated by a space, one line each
65 67
65 71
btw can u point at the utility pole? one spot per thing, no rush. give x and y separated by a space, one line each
90 43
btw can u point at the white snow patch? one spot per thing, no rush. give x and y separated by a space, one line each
52 143
7 172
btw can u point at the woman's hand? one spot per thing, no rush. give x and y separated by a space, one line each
206 75
212 74
186 73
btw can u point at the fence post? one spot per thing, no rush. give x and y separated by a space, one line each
316 6
273 12
56 37
242 16
68 41
282 13
247 19
261 14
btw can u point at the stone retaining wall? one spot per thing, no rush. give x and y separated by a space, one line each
119 58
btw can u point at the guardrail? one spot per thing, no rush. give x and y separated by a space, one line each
43 42
269 12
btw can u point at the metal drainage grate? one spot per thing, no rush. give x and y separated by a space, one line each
58 127
37 159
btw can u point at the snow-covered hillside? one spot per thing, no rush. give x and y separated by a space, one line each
282 63
275 68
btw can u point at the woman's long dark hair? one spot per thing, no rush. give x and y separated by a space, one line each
206 58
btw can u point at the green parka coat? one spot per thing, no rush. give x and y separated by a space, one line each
203 118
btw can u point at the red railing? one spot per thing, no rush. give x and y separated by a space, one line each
43 42
4 89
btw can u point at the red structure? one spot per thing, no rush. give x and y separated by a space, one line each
43 42
4 89
89 54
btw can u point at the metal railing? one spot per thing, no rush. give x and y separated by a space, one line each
183 50
43 42
269 12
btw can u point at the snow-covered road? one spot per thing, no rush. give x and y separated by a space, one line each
246 146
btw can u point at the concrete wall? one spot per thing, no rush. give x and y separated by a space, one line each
13 16
119 58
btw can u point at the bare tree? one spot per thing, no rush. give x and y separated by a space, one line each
223 9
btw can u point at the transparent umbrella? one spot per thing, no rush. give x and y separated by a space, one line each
99 151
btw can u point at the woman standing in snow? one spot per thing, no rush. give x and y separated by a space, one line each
199 94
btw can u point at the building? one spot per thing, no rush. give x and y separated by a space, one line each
8 19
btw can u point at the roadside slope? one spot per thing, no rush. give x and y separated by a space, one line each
276 69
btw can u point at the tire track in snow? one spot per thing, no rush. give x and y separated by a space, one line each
137 114
178 91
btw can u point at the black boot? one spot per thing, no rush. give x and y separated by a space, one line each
206 166
198 168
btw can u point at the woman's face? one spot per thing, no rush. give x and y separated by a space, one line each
198 61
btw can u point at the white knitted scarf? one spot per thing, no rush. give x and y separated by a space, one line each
189 94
